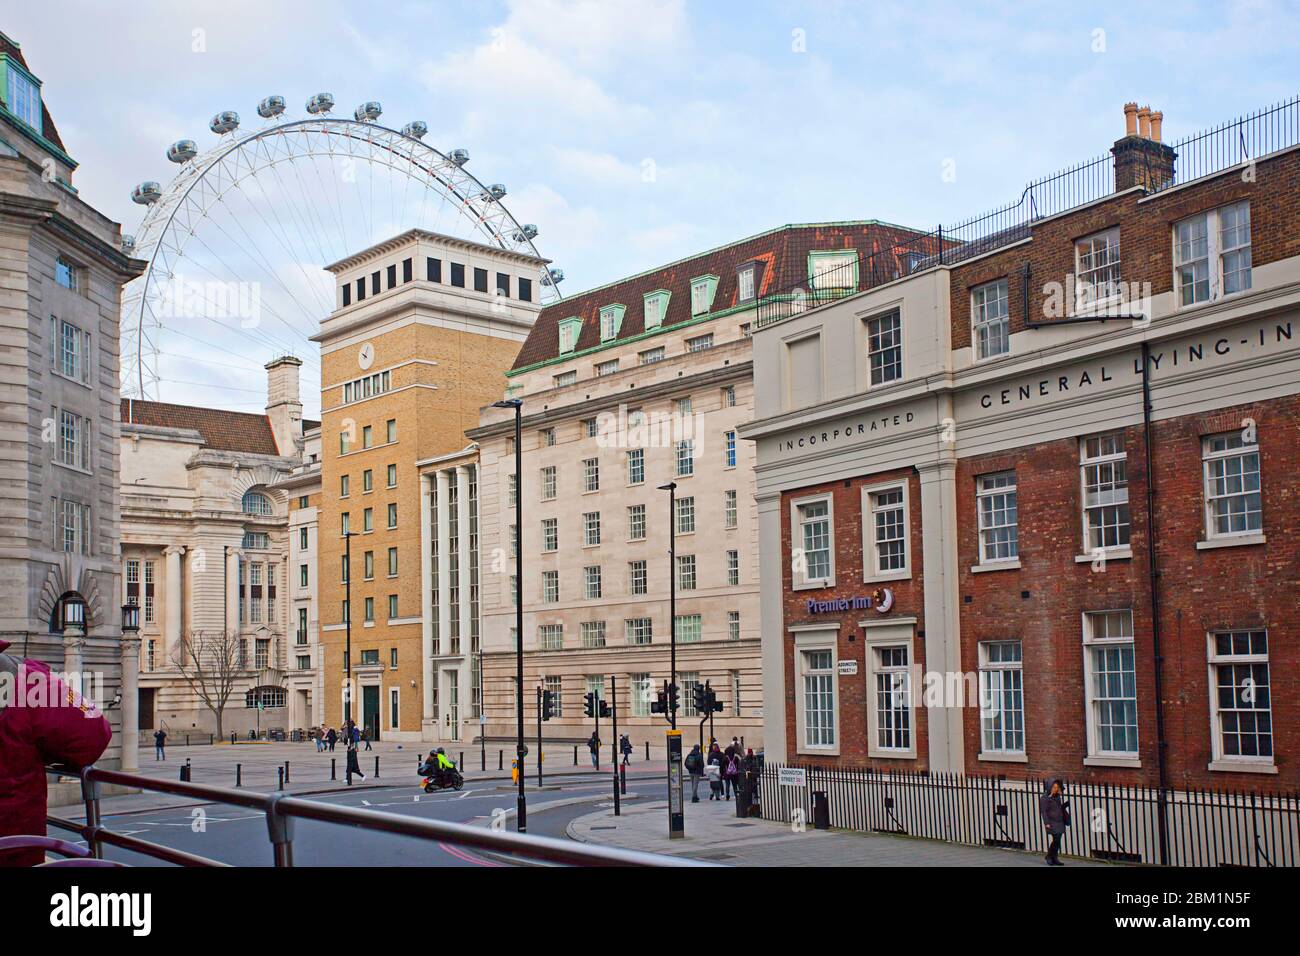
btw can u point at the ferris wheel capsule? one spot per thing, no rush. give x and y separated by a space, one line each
527 234
182 151
493 193
224 122
320 103
459 156
553 277
368 112
416 129
270 107
147 192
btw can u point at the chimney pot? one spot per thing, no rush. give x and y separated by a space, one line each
1130 119
1156 119
1144 122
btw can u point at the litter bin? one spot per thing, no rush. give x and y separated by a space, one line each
821 809
742 799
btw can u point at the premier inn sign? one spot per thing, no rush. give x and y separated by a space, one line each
881 599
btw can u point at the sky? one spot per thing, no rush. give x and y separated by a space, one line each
636 132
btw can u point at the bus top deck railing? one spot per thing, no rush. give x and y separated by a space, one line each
282 810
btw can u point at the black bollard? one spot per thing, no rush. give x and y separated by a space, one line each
334 768
286 771
575 756
622 778
281 773
461 762
647 750
376 766
239 775
501 760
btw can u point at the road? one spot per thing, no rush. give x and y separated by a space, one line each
238 836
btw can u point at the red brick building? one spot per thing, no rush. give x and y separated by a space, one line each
1031 506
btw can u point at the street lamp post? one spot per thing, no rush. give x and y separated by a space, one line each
521 820
676 805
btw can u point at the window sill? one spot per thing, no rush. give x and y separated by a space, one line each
819 751
905 575
1003 758
1116 554
1233 766
814 585
996 566
891 754
74 468
1131 762
1233 541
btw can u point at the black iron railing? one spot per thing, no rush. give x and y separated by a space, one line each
282 810
1233 144
1108 822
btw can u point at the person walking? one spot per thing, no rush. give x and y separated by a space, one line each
354 764
160 744
593 744
695 767
331 738
731 772
625 747
1055 812
366 737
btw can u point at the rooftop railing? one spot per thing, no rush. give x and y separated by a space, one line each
1233 144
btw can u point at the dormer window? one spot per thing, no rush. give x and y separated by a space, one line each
24 97
745 284
702 291
833 269
611 320
569 329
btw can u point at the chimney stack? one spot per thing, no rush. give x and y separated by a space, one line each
1140 158
283 408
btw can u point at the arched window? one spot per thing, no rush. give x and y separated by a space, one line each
256 503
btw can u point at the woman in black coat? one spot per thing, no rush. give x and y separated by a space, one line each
1055 812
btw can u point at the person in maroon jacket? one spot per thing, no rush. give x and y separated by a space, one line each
42 721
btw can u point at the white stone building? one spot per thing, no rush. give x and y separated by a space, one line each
61 275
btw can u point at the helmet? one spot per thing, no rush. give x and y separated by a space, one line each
440 750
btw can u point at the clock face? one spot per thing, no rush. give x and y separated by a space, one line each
366 357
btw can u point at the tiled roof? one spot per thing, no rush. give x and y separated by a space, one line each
48 129
242 432
783 252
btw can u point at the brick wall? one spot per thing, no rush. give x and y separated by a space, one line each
852 724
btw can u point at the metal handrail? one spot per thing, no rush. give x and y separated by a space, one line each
281 810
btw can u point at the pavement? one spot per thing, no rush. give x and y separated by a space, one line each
714 833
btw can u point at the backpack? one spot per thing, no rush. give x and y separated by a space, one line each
733 768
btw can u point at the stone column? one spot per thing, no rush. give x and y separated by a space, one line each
942 602
426 604
463 552
130 702
172 607
232 590
444 562
74 641
772 626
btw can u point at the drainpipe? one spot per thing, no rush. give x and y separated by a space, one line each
1153 571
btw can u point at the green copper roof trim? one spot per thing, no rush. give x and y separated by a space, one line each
737 242
649 333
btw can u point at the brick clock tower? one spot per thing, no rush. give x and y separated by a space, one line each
423 330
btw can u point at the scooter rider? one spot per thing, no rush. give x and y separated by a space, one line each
436 765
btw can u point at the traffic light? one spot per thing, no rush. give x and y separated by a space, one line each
548 704
700 698
604 707
711 703
672 698
589 704
660 704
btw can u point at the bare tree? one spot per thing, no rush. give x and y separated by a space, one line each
211 664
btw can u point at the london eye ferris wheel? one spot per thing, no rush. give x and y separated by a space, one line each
237 241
